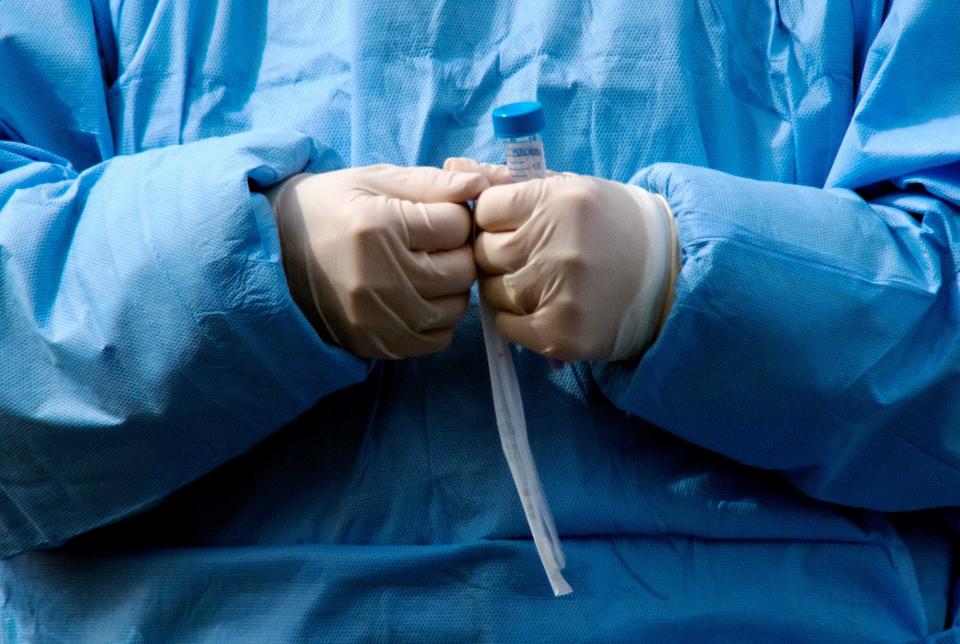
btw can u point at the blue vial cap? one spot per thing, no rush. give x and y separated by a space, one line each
518 119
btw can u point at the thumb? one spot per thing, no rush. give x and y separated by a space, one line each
497 175
428 185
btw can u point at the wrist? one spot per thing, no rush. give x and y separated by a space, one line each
644 316
278 193
674 266
299 264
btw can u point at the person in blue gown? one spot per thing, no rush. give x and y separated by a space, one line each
188 454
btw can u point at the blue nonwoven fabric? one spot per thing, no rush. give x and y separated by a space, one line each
184 459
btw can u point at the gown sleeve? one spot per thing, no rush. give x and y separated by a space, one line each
147 334
816 331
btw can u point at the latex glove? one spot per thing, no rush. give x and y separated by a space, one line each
578 268
377 256
496 174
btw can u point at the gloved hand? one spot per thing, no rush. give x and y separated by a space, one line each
377 256
578 268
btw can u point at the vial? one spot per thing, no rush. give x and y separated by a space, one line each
519 126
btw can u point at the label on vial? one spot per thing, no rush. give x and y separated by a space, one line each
525 160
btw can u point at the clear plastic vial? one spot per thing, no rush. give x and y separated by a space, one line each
525 158
519 125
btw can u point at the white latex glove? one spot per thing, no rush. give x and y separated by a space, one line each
377 256
578 268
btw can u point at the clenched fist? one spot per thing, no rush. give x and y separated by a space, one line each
578 268
377 256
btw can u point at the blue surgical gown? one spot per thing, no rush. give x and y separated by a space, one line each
183 459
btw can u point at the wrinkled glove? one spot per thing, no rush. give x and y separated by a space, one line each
377 256
578 268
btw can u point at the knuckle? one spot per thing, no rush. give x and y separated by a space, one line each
479 255
355 289
579 196
572 263
463 255
462 231
425 320
566 312
466 265
355 297
563 347
366 226
380 217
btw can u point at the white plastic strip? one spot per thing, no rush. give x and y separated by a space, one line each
512 424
